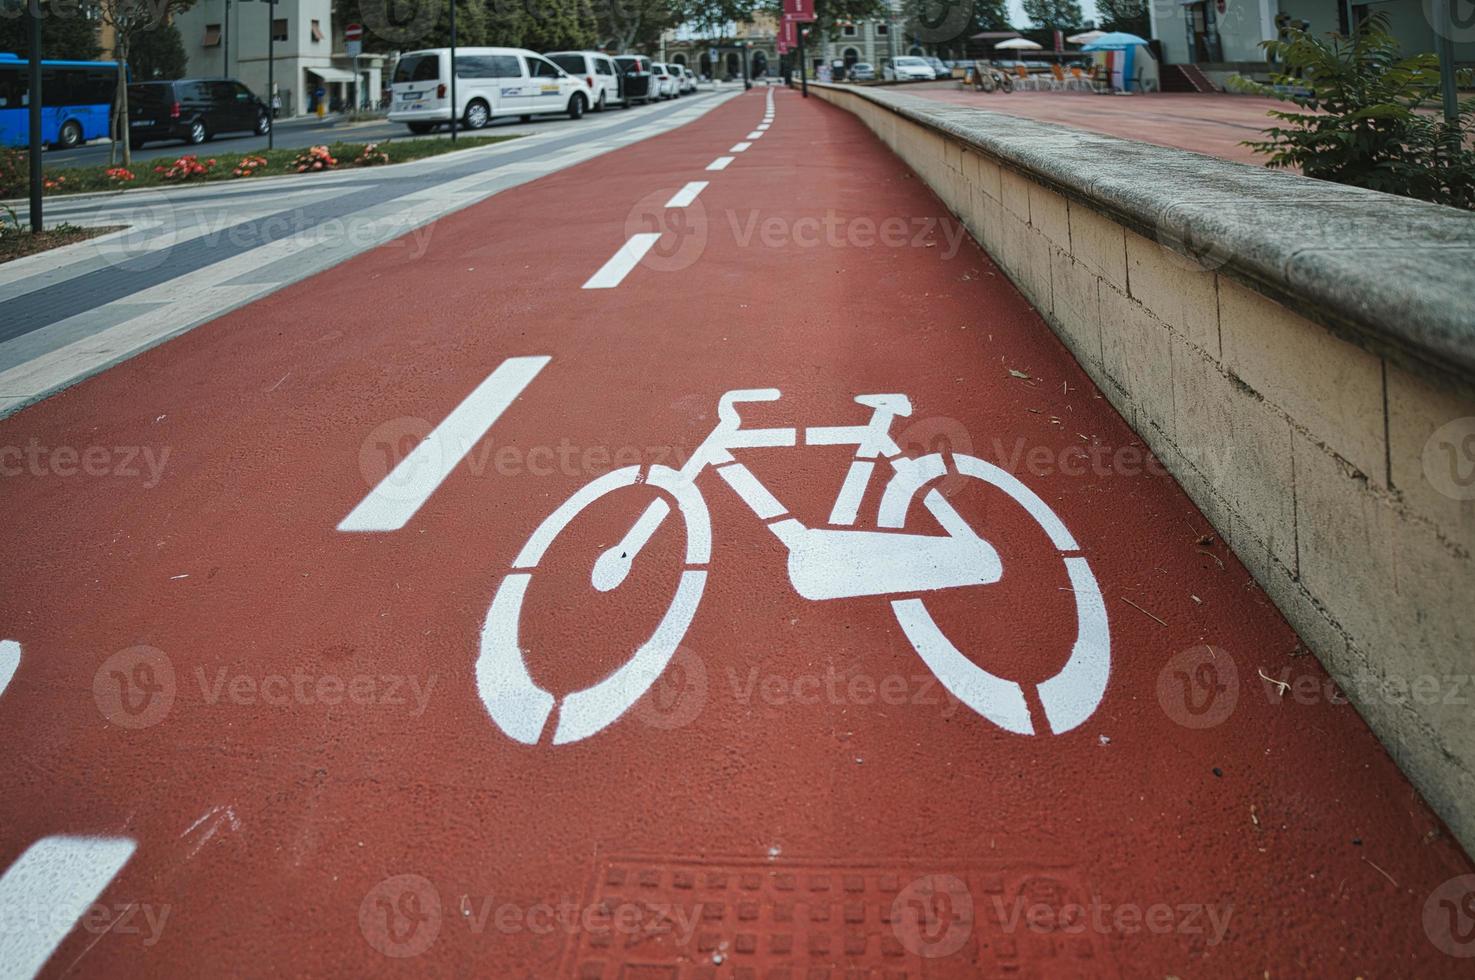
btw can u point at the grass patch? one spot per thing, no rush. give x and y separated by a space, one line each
232 165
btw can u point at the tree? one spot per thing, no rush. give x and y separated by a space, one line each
130 19
630 25
158 53
1054 15
68 30
1124 15
543 25
403 25
948 24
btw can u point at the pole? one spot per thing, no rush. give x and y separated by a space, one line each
34 16
453 71
271 77
803 68
1443 24
743 51
225 55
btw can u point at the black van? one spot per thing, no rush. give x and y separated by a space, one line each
193 110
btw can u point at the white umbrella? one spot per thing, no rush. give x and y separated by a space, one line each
1085 37
1018 44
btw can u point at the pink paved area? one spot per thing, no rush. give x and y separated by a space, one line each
1206 123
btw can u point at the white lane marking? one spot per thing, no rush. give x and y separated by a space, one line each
720 163
754 134
9 661
613 272
45 892
687 194
739 147
763 127
406 488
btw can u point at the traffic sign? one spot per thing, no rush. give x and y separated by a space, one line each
353 32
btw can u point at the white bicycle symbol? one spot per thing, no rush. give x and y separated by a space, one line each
824 563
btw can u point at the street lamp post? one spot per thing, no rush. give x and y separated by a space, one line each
33 15
803 68
453 71
271 81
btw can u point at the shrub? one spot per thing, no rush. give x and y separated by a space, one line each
316 158
119 175
248 166
371 156
15 173
187 167
1363 125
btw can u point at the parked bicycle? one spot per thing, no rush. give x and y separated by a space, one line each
987 78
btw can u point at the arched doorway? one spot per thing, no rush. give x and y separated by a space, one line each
760 64
916 51
706 65
679 59
851 56
734 66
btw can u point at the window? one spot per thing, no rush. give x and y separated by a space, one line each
571 63
538 68
317 31
506 66
883 29
212 36
12 88
418 68
848 30
603 66
279 29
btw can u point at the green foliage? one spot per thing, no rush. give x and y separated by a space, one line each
1125 15
948 24
66 30
1366 119
633 25
157 53
1063 15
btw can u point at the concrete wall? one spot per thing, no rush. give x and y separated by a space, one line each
1313 452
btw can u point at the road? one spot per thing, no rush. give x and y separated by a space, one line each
306 131
395 622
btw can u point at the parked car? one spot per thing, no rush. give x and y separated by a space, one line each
193 110
599 72
665 81
906 68
490 82
637 82
687 78
862 71
939 70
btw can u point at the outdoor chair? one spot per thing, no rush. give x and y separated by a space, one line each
1057 78
1026 81
1079 80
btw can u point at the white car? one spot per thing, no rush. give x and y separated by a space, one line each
598 71
490 82
906 68
666 85
688 79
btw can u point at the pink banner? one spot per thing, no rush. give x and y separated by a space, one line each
799 10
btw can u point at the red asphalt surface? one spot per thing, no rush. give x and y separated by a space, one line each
718 828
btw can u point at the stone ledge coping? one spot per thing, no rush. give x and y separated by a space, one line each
1391 274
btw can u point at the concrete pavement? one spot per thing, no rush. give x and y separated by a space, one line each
400 625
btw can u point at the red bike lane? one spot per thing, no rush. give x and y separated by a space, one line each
291 721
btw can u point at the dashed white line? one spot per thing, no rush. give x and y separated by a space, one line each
720 163
687 194
754 134
613 272
9 661
739 147
404 490
763 128
45 892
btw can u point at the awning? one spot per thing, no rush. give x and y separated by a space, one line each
332 74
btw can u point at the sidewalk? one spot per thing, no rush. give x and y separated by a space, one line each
303 727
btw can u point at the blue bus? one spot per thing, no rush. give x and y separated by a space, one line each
76 100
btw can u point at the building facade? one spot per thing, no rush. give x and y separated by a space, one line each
228 38
722 59
1223 36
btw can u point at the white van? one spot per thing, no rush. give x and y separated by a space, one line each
598 71
489 82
